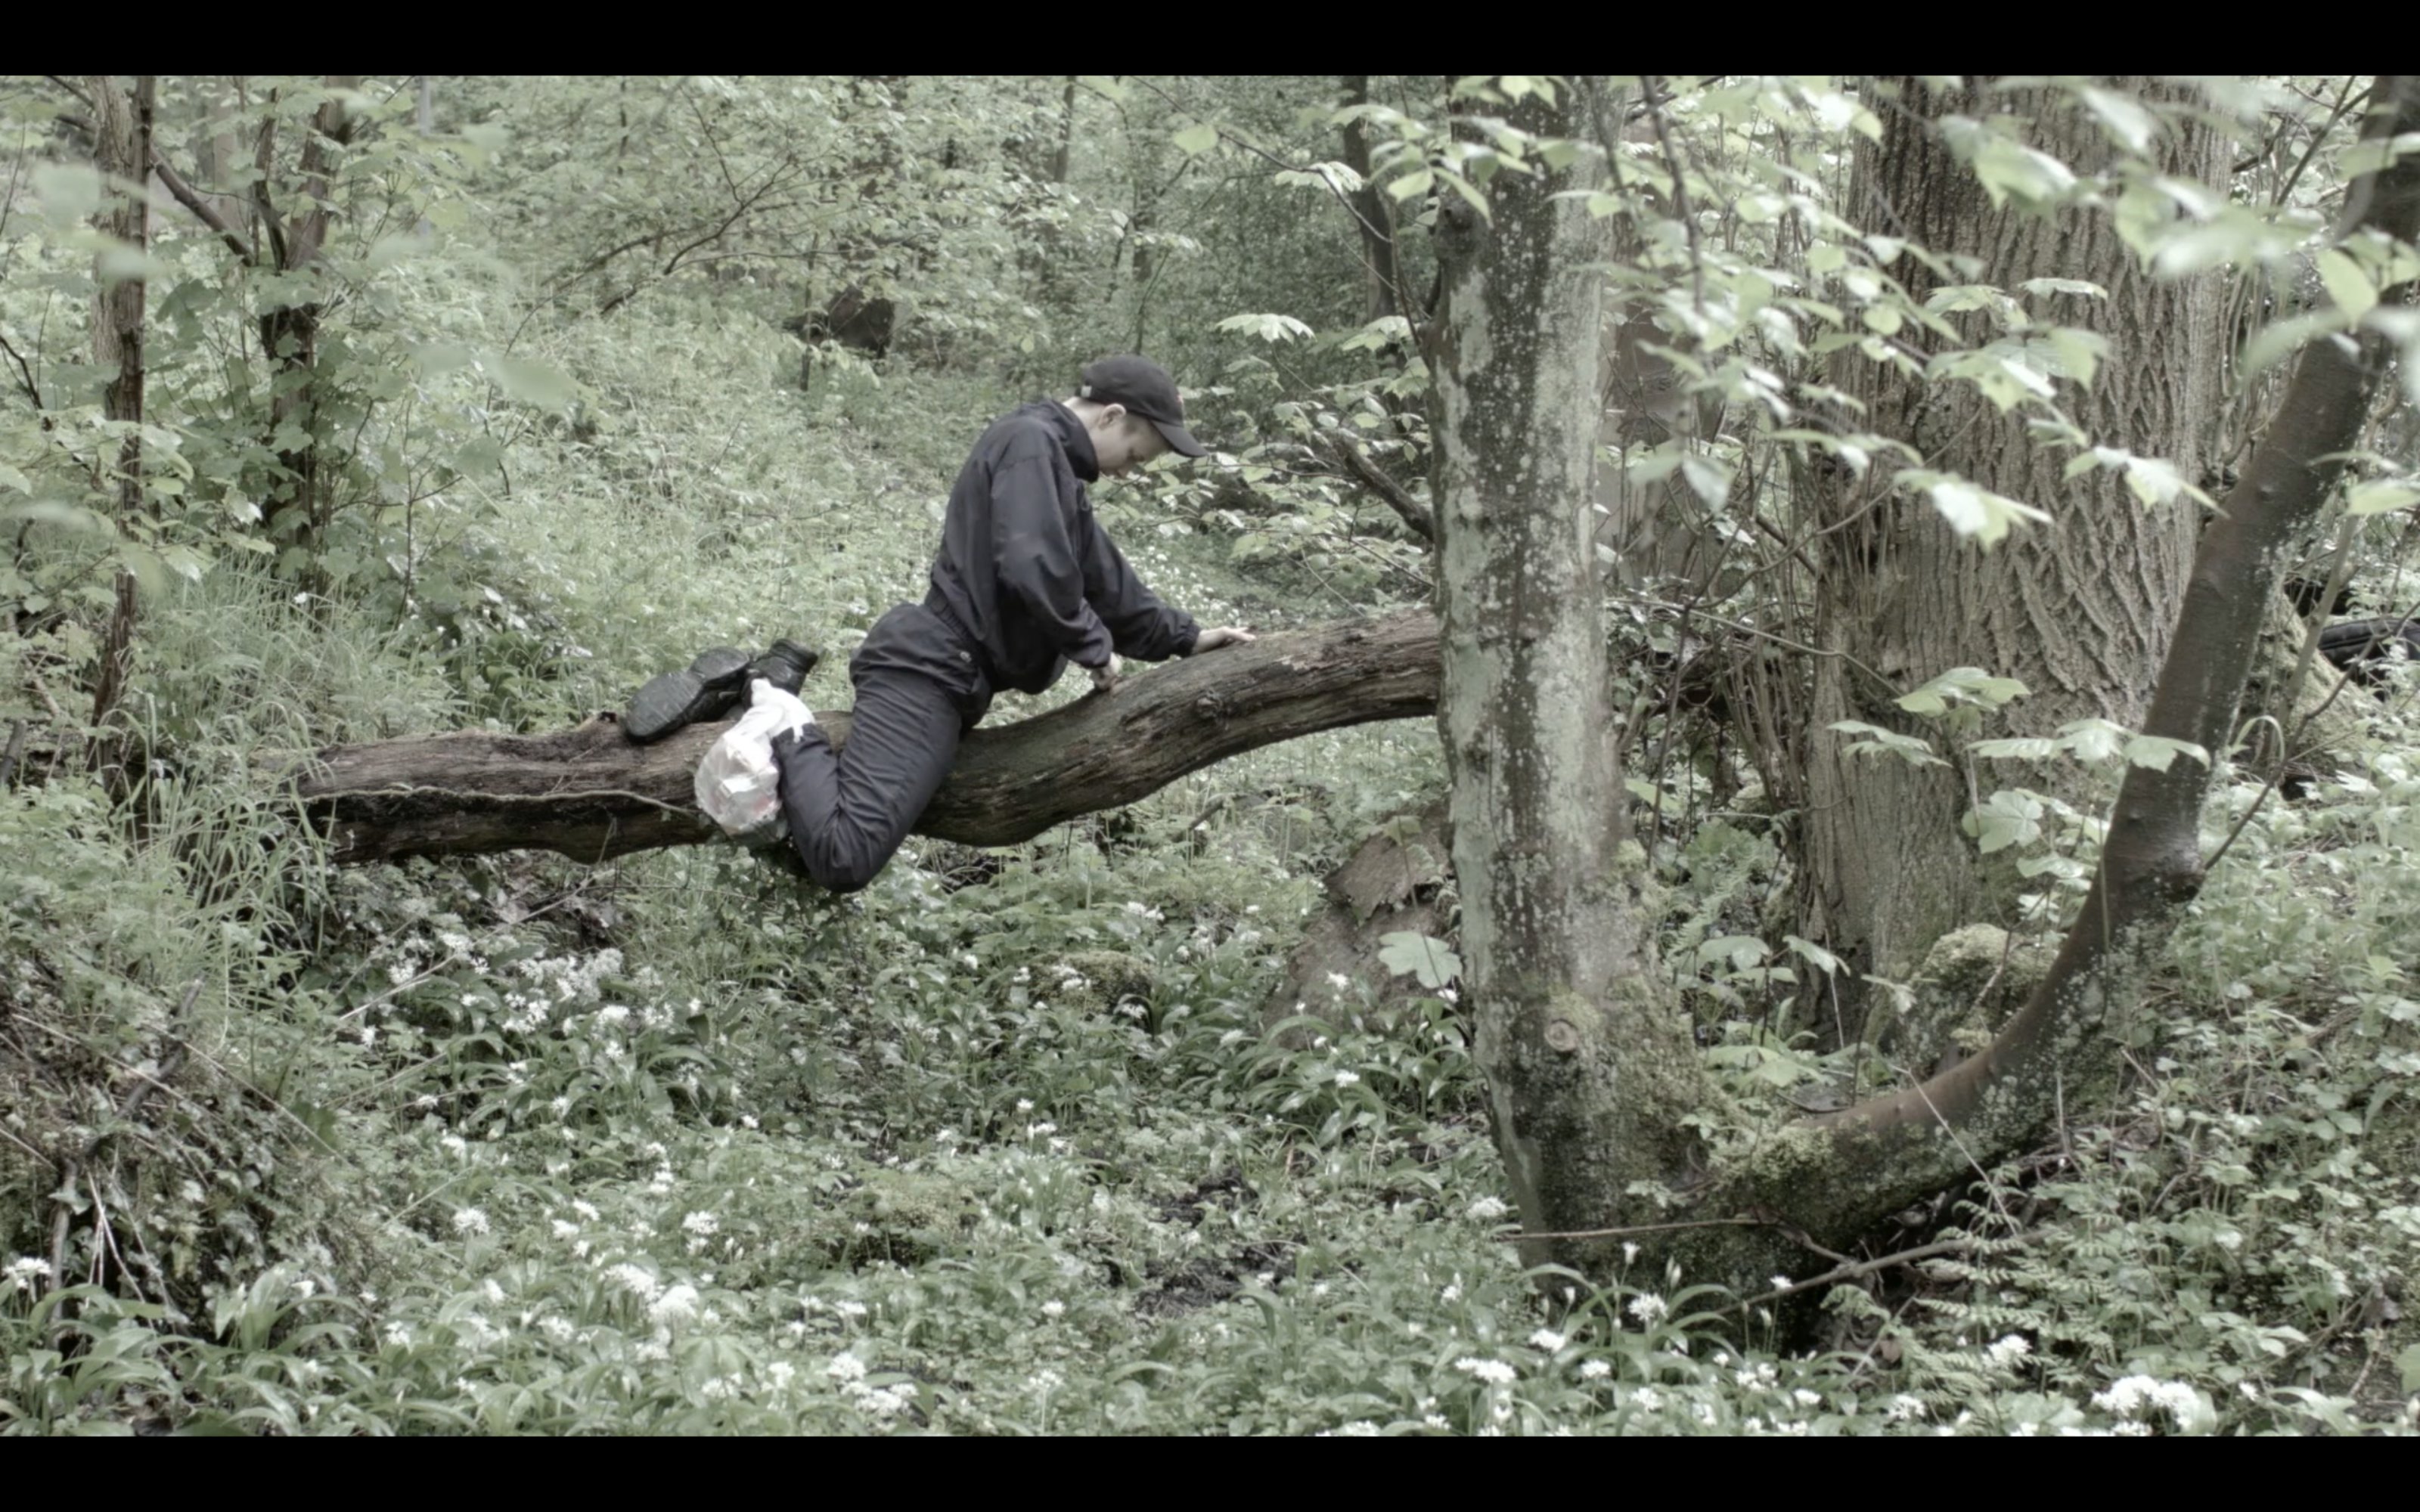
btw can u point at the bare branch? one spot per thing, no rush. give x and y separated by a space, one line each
194 200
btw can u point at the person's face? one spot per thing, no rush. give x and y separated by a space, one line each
1122 442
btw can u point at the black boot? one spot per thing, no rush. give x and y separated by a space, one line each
710 688
786 666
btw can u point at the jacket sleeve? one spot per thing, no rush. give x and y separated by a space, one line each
1035 559
1139 624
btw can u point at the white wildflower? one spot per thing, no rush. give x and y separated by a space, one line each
1339 981
1363 1428
470 1221
1904 1409
1629 1252
564 1229
21 1272
1488 1209
1452 1294
635 1280
1495 1372
1595 1370
845 1368
700 1223
1346 1078
677 1306
1548 1340
2004 1354
585 1209
1647 1308
1648 1399
1054 1308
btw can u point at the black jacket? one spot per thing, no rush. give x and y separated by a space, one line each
1028 574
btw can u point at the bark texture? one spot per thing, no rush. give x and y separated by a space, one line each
2079 609
590 794
2061 1049
1588 1066
122 144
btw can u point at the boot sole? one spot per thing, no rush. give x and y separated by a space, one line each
708 688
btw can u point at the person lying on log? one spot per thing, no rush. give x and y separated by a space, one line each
1025 581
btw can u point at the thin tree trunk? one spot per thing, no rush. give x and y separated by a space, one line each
290 334
1375 218
122 138
2079 608
1588 1067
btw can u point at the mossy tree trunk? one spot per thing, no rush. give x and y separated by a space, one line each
2079 608
122 144
1590 1070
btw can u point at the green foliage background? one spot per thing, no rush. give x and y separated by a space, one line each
1004 1144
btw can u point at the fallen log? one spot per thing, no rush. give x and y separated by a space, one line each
589 794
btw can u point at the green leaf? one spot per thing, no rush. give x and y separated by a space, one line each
118 262
2127 122
2094 740
2021 748
2064 286
1431 961
2408 1362
2275 341
1741 951
2381 496
1823 960
67 192
1418 183
2006 818
2159 752
1962 685
2347 283
1270 328
2153 481
1195 140
1710 478
1909 749
1972 510
1470 192
2079 352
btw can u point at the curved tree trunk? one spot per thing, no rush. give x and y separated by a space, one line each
590 794
2079 608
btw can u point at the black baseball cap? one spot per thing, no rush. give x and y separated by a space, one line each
1145 389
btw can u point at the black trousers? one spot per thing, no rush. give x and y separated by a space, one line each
919 686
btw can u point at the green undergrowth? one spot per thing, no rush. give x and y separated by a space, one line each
1001 1145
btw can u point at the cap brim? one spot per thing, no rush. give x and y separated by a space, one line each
1180 439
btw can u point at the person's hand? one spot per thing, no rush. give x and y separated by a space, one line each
1225 635
1105 677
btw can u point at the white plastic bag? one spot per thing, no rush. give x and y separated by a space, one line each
738 786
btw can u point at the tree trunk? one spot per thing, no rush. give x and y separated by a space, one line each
289 335
2061 1050
590 794
1588 1067
2079 608
1588 1070
122 139
1371 210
